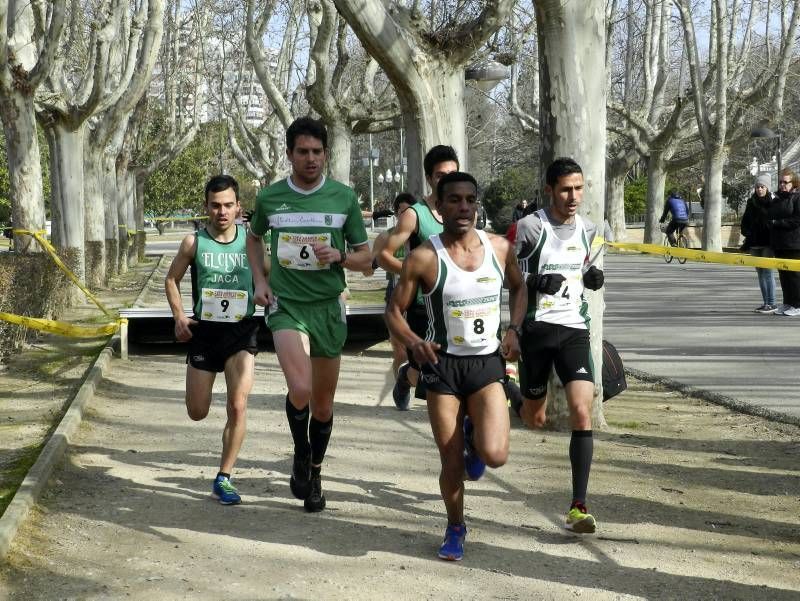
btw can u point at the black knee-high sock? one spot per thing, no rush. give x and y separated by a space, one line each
319 433
580 456
298 424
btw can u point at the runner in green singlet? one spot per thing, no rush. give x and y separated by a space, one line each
222 331
312 220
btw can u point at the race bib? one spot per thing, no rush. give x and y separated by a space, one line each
295 251
223 305
473 326
568 296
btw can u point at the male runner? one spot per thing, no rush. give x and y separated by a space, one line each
461 273
312 219
414 227
553 247
222 331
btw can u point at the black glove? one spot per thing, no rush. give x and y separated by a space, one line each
593 278
547 283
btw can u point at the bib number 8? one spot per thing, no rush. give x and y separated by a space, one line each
477 326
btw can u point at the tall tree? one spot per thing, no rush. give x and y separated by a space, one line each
572 45
30 32
424 58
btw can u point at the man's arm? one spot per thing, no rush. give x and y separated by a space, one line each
406 226
518 297
177 270
419 262
262 294
665 213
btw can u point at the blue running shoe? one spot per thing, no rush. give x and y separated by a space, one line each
452 548
402 389
225 492
473 465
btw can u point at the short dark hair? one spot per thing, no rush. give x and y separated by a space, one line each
405 197
559 168
439 154
673 192
452 178
306 126
218 183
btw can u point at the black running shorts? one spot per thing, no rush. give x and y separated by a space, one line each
547 345
213 343
463 376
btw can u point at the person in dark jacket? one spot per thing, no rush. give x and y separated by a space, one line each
755 229
783 215
519 211
680 216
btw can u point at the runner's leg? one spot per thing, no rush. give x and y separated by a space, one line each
239 382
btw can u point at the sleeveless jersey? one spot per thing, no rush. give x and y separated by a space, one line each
427 226
222 284
298 218
464 306
567 306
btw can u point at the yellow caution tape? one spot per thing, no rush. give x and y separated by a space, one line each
705 256
63 328
45 243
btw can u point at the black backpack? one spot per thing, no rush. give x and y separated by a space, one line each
613 372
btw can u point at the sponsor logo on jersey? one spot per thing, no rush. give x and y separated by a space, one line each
283 207
582 370
486 280
328 219
560 266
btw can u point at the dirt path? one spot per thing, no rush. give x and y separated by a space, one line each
693 502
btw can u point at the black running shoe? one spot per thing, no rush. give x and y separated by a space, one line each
315 500
401 393
300 482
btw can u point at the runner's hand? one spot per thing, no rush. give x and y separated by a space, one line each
327 254
425 352
509 347
183 331
593 278
263 295
548 283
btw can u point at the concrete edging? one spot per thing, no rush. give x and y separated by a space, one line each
713 397
54 449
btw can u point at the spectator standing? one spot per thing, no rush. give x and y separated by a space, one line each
784 239
755 229
519 211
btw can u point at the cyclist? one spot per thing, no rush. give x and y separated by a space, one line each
680 216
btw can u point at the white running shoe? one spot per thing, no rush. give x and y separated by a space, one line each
781 309
791 312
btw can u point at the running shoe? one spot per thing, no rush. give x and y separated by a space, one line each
316 500
225 492
473 464
402 388
452 548
300 482
580 520
791 312
766 309
781 309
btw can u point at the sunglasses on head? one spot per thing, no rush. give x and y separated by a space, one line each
785 181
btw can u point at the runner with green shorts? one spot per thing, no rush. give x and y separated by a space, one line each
311 219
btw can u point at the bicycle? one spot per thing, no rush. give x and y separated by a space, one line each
681 242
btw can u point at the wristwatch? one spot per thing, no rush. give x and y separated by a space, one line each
343 259
517 330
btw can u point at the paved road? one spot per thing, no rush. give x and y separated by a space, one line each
694 324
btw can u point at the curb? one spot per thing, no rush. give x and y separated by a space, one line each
715 398
54 449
